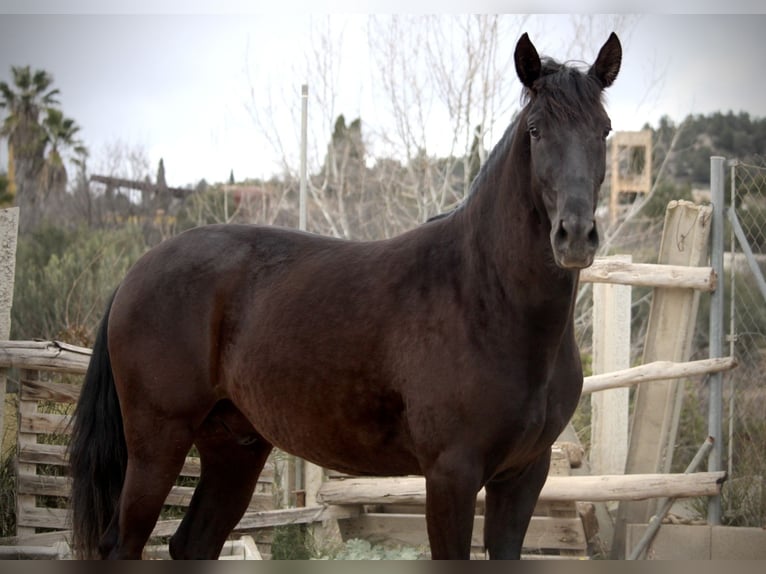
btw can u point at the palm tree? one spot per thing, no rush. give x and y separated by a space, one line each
24 100
60 132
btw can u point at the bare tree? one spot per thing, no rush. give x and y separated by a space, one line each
444 91
446 81
99 205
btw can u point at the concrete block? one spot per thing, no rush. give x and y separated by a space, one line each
701 542
738 543
673 542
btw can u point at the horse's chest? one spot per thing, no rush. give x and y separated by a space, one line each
535 409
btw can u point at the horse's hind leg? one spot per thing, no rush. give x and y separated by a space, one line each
150 475
509 505
232 456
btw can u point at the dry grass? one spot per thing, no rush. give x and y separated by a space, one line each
10 423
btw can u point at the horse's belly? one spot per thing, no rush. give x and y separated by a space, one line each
358 455
339 433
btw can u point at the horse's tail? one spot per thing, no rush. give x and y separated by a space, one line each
97 452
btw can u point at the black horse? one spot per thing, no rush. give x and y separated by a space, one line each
447 351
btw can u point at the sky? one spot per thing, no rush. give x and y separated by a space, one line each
176 81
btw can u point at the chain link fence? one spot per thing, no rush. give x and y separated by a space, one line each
745 269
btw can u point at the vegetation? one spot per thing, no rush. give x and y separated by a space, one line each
64 278
357 549
7 493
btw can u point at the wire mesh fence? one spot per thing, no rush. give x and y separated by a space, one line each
745 269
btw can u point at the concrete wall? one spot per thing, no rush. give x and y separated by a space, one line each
691 542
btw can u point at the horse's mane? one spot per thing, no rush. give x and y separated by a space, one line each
563 91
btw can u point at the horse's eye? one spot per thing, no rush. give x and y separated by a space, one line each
606 133
534 132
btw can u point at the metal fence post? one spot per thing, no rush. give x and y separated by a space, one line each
715 426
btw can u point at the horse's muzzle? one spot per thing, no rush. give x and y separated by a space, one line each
574 241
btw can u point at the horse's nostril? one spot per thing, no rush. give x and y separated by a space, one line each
593 233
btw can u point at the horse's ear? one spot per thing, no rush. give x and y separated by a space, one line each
527 61
607 64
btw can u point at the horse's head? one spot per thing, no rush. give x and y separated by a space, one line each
566 127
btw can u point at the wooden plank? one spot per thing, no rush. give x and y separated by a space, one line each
38 539
40 485
670 331
410 529
56 518
43 485
182 495
271 518
411 489
34 517
44 423
33 453
31 553
192 468
50 391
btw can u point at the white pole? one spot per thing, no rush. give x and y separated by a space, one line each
611 352
304 138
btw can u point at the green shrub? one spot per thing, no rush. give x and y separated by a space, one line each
64 278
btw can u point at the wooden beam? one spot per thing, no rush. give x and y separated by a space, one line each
656 371
650 275
412 490
53 356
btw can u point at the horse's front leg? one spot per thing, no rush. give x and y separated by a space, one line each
509 505
452 484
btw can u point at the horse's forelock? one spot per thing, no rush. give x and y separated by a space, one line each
564 92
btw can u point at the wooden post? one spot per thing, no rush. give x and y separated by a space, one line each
9 228
611 352
313 476
670 331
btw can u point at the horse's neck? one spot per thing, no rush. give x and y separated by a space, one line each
507 237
